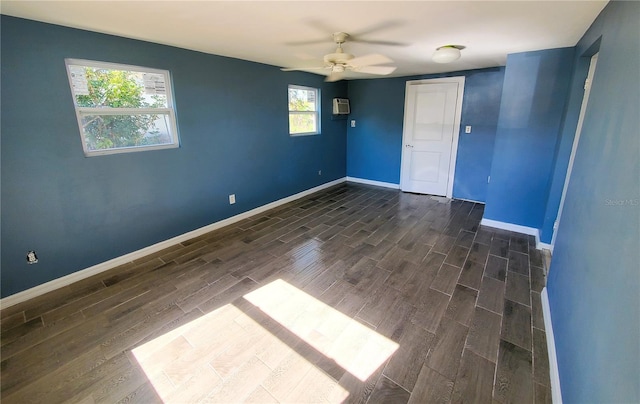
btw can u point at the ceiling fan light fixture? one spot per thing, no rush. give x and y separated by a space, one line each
446 54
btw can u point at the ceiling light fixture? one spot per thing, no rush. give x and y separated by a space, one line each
447 54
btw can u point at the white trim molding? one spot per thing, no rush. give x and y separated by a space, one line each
543 246
518 229
112 263
556 392
509 226
469 200
372 182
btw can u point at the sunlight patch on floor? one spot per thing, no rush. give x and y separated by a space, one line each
352 345
227 356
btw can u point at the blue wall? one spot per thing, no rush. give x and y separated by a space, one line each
564 146
594 279
77 212
480 109
534 95
374 146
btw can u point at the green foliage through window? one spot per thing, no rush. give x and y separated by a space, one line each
303 110
121 108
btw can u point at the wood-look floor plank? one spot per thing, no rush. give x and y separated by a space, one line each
446 279
357 391
471 275
21 330
12 320
465 238
444 244
430 309
516 324
397 320
61 297
462 304
478 253
491 295
388 392
55 386
484 334
538 279
376 308
496 267
500 247
405 364
445 355
519 262
513 381
536 311
483 236
542 394
457 256
41 334
401 274
146 393
475 379
540 358
431 387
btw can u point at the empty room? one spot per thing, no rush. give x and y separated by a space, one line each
320 201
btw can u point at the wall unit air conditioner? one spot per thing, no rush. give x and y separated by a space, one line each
341 106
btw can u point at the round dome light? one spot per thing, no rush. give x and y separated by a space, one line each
446 54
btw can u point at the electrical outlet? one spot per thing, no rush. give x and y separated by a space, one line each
467 129
353 123
32 258
319 172
232 199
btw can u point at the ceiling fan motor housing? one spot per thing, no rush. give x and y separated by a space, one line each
337 58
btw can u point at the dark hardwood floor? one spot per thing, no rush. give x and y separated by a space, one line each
352 294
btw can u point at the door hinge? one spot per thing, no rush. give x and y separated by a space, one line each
587 82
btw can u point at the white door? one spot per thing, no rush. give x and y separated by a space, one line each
430 135
583 108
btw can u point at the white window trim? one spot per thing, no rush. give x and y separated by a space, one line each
316 113
169 110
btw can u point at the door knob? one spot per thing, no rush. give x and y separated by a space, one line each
409 145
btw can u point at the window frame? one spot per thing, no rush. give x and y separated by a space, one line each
168 111
315 113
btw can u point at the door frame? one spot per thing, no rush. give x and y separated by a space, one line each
593 61
456 125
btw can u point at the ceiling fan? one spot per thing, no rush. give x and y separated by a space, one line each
339 62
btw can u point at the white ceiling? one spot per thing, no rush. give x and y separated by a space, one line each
262 31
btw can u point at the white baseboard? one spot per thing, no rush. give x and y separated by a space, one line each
371 182
556 392
112 263
543 246
510 226
468 200
532 231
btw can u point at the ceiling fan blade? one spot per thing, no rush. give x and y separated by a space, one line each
294 69
310 42
381 26
368 60
334 76
374 42
380 70
321 27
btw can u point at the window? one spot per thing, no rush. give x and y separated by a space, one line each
304 111
122 108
